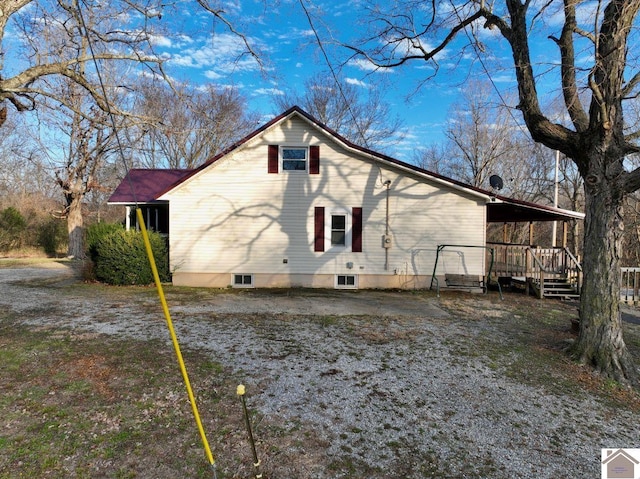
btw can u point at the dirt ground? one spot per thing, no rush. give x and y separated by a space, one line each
379 384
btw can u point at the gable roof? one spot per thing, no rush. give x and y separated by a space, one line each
620 453
145 185
150 185
379 157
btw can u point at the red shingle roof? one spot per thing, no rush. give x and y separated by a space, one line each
145 185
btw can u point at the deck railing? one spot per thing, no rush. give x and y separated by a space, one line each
537 264
630 285
510 259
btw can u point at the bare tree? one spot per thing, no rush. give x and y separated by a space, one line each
79 142
483 138
184 126
21 172
363 119
60 48
594 137
58 36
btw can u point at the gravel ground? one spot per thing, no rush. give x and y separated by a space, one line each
387 379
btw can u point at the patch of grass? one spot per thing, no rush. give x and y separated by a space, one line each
92 406
326 321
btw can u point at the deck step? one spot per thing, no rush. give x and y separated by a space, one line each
558 288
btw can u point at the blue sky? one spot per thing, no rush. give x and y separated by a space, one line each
206 52
290 55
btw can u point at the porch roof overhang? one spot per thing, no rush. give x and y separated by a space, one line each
508 210
143 186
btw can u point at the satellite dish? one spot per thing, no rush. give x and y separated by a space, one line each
496 182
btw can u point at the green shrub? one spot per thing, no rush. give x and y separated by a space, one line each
53 236
122 258
12 229
95 233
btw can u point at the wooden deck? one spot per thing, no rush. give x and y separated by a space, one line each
551 272
548 272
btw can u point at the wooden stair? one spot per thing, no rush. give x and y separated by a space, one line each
559 288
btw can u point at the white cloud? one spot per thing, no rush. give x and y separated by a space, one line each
161 41
355 81
211 75
366 65
268 91
220 55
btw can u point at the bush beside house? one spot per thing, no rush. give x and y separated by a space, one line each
121 258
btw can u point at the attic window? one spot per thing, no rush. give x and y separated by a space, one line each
294 159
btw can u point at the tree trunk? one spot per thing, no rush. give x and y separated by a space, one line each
600 342
75 227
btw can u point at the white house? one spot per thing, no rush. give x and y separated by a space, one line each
296 205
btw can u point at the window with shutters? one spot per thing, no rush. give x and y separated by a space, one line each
293 159
337 229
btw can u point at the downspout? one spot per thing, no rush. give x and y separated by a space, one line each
387 238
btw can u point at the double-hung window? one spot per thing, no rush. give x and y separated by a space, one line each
338 230
293 159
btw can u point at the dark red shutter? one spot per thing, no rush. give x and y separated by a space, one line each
314 160
273 159
356 230
318 228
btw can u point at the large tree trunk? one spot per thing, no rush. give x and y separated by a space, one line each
600 342
75 226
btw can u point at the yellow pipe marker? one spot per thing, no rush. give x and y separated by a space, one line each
174 338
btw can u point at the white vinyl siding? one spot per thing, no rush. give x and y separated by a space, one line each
233 216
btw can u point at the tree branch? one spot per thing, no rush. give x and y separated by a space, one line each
424 55
20 83
631 181
630 85
219 14
576 111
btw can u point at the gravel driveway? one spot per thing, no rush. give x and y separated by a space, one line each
385 378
